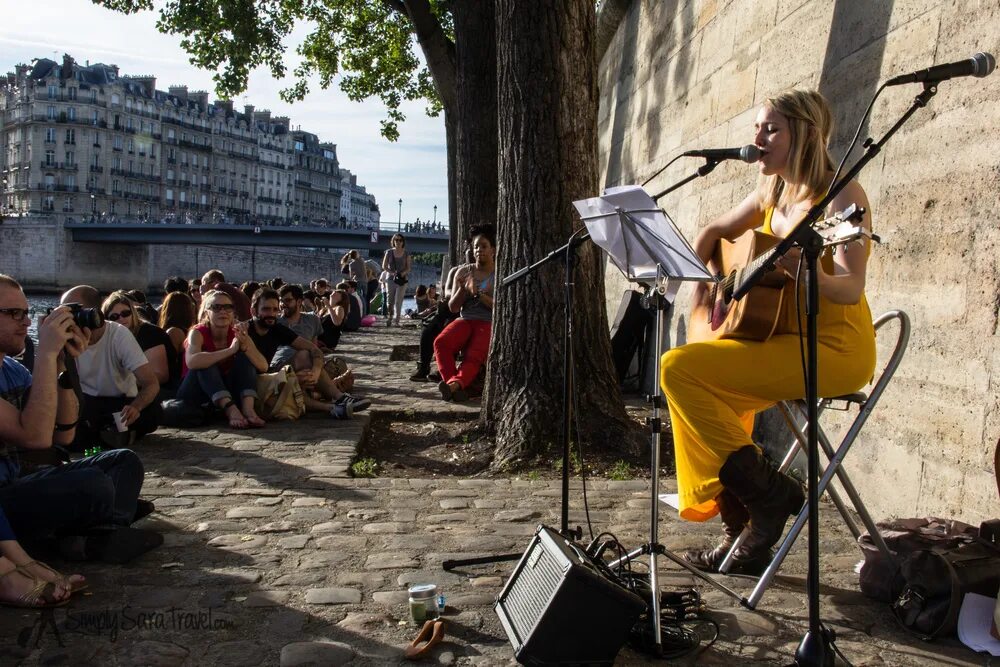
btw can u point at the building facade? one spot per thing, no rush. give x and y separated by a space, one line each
358 209
86 143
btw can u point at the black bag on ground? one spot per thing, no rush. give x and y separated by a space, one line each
937 581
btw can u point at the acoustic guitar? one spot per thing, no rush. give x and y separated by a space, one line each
755 316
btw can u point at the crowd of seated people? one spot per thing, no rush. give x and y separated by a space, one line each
102 370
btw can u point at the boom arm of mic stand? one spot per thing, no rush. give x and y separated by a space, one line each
703 170
558 252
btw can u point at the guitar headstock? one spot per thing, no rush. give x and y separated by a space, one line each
845 227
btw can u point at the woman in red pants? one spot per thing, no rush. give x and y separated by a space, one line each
472 297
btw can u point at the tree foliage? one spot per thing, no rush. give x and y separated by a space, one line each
368 45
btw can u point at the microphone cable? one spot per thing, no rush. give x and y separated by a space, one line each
662 169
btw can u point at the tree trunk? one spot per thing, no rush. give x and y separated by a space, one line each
476 115
548 157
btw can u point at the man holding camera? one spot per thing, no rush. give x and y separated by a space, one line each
37 411
119 384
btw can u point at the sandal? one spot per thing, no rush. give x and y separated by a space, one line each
60 579
430 636
40 596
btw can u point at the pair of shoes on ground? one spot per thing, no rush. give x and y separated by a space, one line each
345 406
450 393
421 374
429 636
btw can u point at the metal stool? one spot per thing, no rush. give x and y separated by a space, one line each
865 403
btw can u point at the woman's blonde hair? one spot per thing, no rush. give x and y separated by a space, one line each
810 125
207 301
117 297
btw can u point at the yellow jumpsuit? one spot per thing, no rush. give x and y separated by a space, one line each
714 388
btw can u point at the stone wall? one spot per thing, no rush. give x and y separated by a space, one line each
683 74
41 255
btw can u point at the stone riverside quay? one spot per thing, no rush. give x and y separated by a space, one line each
275 555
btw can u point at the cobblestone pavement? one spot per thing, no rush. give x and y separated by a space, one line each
273 555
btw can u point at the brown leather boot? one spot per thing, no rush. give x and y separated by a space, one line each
734 518
769 496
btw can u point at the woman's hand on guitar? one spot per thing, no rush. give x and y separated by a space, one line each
789 262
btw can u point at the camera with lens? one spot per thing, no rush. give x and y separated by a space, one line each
89 318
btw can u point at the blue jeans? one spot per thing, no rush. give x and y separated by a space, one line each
70 498
211 384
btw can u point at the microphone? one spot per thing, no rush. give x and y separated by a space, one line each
980 65
748 154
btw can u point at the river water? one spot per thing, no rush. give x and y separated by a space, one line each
40 303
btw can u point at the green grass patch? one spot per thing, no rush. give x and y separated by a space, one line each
620 470
365 468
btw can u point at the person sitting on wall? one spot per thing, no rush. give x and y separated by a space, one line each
214 279
472 298
39 410
269 336
155 343
220 362
116 377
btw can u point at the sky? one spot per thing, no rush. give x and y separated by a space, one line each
413 168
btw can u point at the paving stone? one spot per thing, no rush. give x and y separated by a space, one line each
206 491
285 623
454 503
364 623
267 501
254 491
238 542
383 528
294 542
308 654
267 598
164 503
365 579
391 598
329 527
517 515
230 576
309 514
275 527
322 559
365 514
308 502
249 512
455 493
453 517
389 561
490 503
333 596
353 543
484 582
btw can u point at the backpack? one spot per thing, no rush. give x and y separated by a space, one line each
279 396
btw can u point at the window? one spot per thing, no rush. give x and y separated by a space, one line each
115 98
95 160
128 124
93 97
170 134
170 174
50 135
131 145
70 136
116 163
70 158
71 181
53 92
116 186
71 113
50 158
72 93
170 194
118 143
50 112
48 203
96 118
183 196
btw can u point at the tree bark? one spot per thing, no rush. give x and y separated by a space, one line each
476 113
547 88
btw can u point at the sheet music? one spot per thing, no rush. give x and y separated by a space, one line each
638 236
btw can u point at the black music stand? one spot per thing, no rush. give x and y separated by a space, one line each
646 246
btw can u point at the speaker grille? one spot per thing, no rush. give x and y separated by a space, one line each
531 592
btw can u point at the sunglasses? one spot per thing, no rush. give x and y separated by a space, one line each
221 307
16 314
114 317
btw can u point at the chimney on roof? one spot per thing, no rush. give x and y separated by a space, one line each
225 104
262 116
178 91
281 120
200 97
67 67
248 110
115 69
148 83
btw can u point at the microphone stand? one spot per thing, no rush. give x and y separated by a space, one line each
568 252
816 648
710 164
